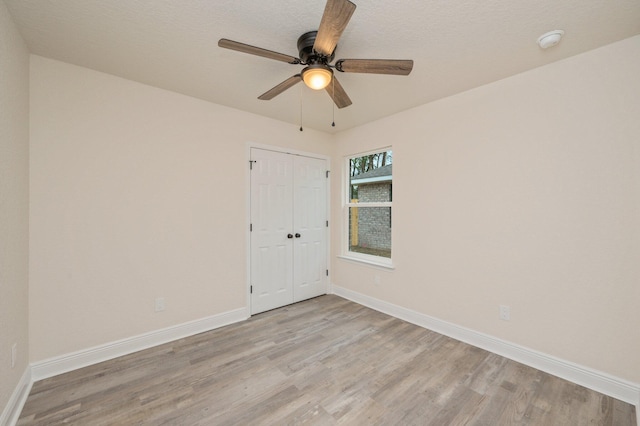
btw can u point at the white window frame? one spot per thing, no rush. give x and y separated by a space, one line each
370 259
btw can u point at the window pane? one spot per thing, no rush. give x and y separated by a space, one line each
370 177
370 230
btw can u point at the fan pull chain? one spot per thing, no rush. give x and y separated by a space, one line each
301 108
333 103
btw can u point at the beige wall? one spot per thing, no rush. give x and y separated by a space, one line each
136 193
14 204
525 192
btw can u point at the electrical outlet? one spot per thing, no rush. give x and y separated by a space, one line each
160 304
505 313
14 354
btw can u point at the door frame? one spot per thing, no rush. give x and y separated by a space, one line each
282 150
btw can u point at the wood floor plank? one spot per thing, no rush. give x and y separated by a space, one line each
325 361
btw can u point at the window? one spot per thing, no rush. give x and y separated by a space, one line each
368 206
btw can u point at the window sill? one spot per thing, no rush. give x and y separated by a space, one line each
367 262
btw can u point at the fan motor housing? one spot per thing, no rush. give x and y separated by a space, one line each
305 50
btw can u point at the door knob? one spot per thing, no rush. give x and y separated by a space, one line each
297 235
289 236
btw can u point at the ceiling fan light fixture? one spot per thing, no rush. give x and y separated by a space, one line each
317 76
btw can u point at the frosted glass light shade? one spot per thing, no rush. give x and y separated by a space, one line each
317 76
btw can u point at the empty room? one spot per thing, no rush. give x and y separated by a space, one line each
319 212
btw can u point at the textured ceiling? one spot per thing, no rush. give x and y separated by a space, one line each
455 45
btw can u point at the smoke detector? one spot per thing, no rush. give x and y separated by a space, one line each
550 39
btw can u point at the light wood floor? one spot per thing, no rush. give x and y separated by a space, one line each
324 361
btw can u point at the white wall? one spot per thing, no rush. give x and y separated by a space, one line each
14 204
136 192
525 192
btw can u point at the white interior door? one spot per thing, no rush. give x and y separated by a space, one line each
271 219
288 229
310 227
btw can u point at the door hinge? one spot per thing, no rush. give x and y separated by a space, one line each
327 272
251 227
251 289
327 174
327 224
251 164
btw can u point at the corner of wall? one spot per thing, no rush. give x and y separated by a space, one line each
12 410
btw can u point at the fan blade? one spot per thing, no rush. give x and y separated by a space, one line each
337 93
290 82
334 20
376 66
252 50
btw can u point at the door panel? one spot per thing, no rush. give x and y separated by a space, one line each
271 217
310 216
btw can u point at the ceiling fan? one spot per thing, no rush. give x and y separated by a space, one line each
316 52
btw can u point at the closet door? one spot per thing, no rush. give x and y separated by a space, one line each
271 230
288 229
310 227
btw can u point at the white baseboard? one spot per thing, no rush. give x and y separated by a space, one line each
601 382
72 361
11 412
